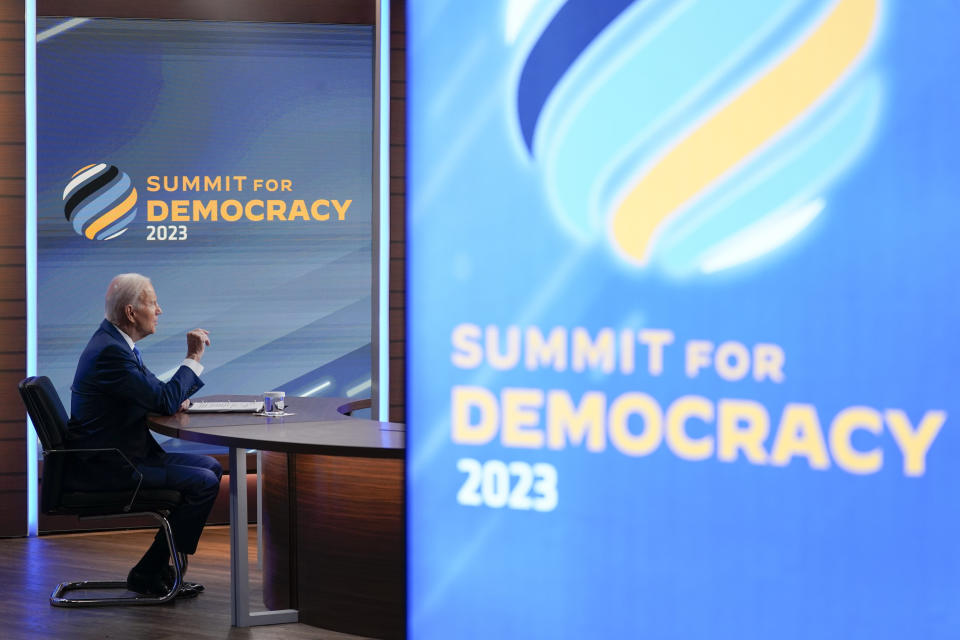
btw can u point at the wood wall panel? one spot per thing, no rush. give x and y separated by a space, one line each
398 284
398 35
398 320
12 278
398 251
14 227
13 448
12 308
15 54
398 160
13 159
11 82
11 29
398 392
12 453
11 484
12 232
398 116
397 349
13 498
398 209
11 103
13 325
13 339
13 253
12 187
13 361
398 64
329 11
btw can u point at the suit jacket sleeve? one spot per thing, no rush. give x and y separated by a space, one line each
118 370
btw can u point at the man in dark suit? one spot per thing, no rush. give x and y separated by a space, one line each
112 393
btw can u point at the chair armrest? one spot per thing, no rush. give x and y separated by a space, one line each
122 455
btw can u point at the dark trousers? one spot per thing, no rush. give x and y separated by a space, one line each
197 478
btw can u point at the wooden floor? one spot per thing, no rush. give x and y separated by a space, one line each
31 567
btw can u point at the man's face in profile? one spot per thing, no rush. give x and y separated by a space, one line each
147 312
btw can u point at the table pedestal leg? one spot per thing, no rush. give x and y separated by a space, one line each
240 614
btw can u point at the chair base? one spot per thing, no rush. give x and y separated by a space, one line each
59 598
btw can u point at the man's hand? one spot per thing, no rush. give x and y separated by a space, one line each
185 405
197 341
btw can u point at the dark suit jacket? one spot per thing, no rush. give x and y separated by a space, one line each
112 394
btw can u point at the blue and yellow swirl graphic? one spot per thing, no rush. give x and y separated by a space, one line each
693 136
100 201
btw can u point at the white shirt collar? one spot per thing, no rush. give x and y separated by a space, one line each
125 336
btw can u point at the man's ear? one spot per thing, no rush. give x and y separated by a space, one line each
128 312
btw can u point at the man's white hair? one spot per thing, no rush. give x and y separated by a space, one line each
124 289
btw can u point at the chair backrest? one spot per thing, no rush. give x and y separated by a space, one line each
50 422
46 411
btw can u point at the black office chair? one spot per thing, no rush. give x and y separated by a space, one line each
50 421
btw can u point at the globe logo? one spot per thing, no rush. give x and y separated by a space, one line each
100 201
689 137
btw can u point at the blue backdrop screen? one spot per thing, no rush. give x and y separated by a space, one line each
682 317
231 164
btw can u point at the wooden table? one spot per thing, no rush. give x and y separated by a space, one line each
333 518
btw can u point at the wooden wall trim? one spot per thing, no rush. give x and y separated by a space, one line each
13 308
325 11
398 210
